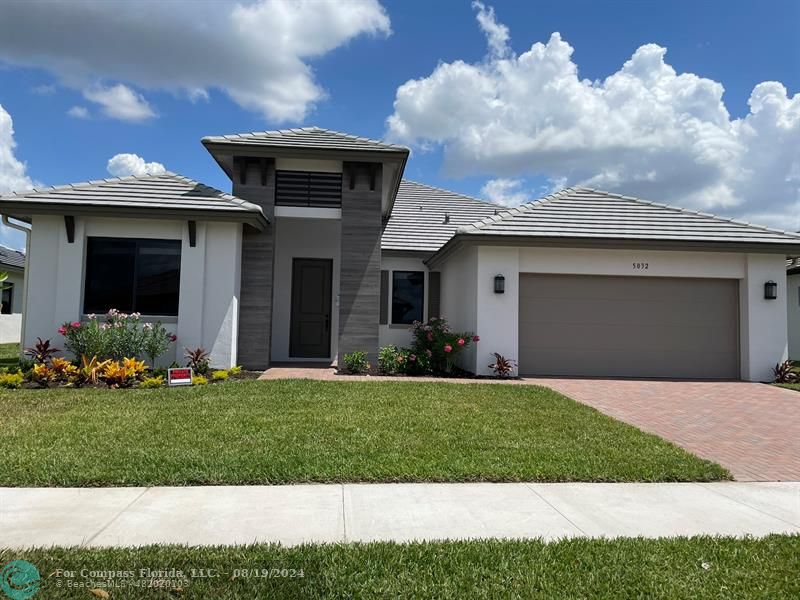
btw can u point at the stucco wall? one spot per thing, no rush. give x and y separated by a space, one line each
459 300
302 238
400 335
209 281
11 324
793 315
763 338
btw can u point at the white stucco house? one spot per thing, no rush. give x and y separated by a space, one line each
12 262
322 248
793 306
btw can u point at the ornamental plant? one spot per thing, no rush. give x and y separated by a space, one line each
439 344
116 336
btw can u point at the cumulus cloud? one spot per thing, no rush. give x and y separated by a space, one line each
507 192
13 175
78 112
120 102
257 53
644 130
123 165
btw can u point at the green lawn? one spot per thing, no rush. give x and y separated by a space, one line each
700 567
272 432
790 386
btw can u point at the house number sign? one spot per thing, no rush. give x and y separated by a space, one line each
640 266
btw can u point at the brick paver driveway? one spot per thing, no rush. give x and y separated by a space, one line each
750 428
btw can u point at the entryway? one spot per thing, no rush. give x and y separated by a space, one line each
310 330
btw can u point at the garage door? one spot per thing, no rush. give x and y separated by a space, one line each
628 326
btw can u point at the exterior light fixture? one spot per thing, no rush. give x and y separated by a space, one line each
770 290
499 284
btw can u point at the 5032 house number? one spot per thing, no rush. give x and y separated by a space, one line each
640 266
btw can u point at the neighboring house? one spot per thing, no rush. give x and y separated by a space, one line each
793 306
12 262
324 249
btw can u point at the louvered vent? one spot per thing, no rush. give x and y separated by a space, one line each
304 188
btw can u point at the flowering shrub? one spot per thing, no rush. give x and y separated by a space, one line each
387 359
438 344
118 336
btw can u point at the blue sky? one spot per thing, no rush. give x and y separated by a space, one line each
737 44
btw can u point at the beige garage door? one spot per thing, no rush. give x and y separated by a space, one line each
628 326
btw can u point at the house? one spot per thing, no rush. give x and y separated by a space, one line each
793 306
322 248
12 262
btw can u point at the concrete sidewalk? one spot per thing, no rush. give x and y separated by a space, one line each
401 512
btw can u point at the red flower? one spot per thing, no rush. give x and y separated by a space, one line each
430 337
476 339
461 341
448 348
173 337
62 330
75 324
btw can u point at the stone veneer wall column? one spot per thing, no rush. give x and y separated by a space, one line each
360 279
258 249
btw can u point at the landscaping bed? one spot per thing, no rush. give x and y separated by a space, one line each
698 567
291 431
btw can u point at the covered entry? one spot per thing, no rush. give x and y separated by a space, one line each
600 326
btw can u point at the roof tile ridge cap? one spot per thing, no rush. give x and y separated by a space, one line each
689 211
522 208
433 187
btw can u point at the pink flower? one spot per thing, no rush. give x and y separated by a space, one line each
461 341
429 353
75 324
173 337
412 358
476 339
430 337
62 330
448 348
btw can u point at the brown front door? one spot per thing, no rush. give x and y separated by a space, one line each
311 308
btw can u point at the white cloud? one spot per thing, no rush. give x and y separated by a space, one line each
257 53
122 165
644 130
507 192
120 102
78 112
13 175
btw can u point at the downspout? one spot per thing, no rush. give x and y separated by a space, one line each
27 232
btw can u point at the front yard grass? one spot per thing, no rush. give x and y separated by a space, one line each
277 432
9 355
699 567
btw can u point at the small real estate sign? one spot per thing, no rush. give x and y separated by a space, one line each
181 376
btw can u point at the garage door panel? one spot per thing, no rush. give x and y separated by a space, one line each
605 337
628 326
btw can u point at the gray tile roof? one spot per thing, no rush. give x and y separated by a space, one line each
586 213
166 194
305 137
11 258
418 217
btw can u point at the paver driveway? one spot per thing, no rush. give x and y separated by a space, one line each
751 428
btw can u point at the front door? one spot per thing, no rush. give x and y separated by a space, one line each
311 308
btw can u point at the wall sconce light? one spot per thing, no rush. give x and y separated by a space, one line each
770 290
499 284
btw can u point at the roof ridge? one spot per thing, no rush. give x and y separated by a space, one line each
440 189
308 129
88 183
524 207
689 211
